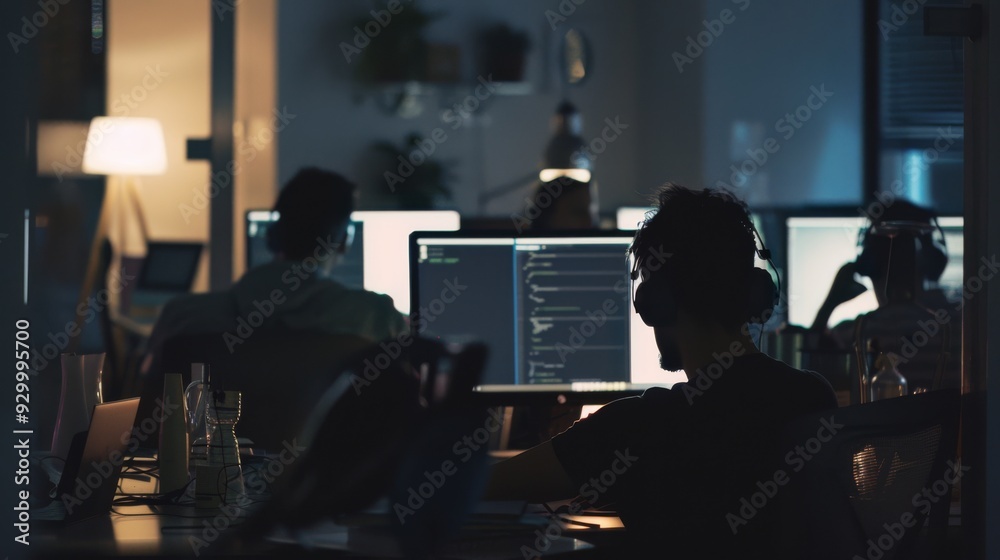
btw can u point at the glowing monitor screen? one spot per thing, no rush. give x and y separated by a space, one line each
555 309
818 247
379 257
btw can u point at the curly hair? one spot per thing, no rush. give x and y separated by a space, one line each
708 235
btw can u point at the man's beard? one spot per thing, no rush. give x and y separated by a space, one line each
670 357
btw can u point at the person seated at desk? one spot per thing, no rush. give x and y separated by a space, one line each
911 269
904 269
311 233
676 462
562 203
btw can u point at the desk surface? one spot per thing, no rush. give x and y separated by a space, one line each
183 530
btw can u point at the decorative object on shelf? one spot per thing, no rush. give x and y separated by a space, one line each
565 155
411 176
503 53
574 58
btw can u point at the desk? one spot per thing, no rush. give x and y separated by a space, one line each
177 530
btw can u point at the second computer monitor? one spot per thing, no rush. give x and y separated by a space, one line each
819 246
555 309
379 257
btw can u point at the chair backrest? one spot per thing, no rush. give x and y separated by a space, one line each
858 477
379 432
282 375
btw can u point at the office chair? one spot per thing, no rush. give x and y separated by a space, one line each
281 373
369 440
860 489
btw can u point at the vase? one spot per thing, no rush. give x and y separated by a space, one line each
81 392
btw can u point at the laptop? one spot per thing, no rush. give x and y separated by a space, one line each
93 465
169 267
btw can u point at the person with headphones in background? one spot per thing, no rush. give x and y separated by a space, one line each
675 463
294 291
900 270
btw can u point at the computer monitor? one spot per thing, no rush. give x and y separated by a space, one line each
628 218
378 260
555 309
819 246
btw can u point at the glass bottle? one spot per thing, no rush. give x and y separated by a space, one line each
887 382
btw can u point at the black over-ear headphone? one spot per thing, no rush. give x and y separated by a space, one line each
932 258
657 306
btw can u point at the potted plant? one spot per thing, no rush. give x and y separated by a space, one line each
411 176
398 51
503 52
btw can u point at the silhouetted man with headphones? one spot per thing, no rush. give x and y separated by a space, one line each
294 291
903 253
677 463
900 267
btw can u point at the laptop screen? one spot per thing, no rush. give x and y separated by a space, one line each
169 267
555 309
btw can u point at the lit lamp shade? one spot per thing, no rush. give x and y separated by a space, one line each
566 154
125 146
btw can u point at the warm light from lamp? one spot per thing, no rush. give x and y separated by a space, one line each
125 146
582 175
566 154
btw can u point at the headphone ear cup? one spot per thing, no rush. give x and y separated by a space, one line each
762 297
933 258
656 307
274 236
